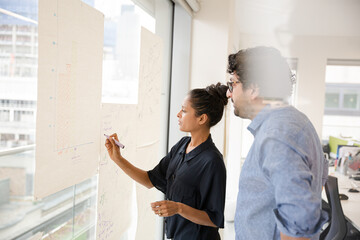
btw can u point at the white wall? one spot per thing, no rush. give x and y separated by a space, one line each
214 36
209 51
311 31
299 17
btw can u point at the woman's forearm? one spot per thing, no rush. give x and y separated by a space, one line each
135 173
194 215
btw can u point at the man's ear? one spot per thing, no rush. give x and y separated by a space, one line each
255 91
203 119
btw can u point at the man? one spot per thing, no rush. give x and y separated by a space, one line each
282 177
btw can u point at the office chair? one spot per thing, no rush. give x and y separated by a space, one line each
337 226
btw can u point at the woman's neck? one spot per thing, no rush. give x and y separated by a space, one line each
198 137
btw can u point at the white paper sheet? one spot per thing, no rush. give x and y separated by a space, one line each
115 187
69 94
148 127
138 128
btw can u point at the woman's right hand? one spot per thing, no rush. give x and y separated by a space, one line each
113 149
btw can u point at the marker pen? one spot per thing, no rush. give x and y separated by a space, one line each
116 142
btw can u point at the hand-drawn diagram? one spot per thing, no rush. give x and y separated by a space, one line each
115 187
105 228
148 130
71 122
138 128
149 88
65 103
68 116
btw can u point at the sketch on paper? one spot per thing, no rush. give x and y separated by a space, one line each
115 187
148 126
138 128
70 61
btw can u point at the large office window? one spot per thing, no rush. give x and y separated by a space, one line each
123 21
70 213
342 99
18 73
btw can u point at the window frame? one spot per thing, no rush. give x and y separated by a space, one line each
342 89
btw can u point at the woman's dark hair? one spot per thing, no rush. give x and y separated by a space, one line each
210 101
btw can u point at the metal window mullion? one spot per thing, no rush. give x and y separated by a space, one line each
341 99
73 213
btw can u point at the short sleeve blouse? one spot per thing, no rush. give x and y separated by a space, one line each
197 179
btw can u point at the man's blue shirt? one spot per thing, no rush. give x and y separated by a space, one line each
281 179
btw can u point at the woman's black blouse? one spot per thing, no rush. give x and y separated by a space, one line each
197 179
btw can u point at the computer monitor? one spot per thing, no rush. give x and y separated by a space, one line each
350 154
354 162
343 149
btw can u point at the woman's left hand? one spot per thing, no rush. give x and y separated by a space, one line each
166 208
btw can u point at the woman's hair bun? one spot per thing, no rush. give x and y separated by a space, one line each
210 101
219 91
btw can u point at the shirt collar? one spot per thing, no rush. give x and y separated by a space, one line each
196 151
259 119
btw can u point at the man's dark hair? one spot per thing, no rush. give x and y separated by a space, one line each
263 67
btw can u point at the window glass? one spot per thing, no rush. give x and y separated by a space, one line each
342 100
341 72
18 72
293 63
4 115
350 100
123 20
332 100
70 213
121 59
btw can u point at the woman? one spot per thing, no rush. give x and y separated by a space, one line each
192 175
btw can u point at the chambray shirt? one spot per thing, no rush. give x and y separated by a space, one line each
197 179
281 179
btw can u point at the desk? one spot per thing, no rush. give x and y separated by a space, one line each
351 207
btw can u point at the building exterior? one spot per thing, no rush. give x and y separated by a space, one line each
21 216
18 73
69 213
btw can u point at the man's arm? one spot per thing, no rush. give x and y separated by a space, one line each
298 202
